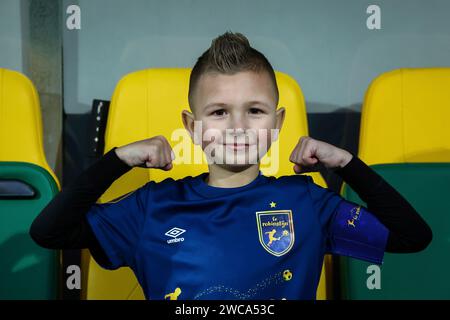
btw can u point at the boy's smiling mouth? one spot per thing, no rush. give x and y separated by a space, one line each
237 146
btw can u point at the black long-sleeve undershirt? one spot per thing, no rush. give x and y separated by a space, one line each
62 224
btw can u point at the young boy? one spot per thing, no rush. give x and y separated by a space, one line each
232 233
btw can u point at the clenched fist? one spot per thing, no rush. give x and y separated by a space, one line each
309 153
149 153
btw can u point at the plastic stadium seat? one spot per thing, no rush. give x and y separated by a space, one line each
27 184
405 137
148 103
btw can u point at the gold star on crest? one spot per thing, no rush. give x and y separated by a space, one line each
273 204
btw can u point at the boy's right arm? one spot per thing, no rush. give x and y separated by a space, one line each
62 224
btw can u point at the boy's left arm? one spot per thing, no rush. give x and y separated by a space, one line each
408 232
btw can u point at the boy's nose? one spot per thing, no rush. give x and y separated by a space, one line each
238 123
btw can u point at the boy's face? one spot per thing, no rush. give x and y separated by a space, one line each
237 113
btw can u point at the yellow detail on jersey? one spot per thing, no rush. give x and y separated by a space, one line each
287 275
355 211
173 295
271 237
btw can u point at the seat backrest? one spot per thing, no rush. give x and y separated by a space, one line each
406 117
148 103
27 271
21 121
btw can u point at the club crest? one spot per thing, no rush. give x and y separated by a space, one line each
276 231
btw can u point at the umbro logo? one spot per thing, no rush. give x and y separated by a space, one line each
174 233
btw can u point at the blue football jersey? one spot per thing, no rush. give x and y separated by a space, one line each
185 239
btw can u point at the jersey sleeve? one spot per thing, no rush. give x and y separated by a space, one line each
350 229
117 226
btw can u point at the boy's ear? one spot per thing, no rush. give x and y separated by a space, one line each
188 122
280 114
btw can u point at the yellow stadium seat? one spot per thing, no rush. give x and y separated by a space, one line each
149 103
27 270
405 138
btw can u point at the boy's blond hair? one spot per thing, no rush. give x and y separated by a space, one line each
228 54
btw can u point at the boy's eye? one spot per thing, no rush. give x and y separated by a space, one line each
219 112
256 111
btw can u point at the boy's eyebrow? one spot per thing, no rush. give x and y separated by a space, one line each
249 103
215 104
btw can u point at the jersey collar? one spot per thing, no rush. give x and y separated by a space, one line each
200 186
